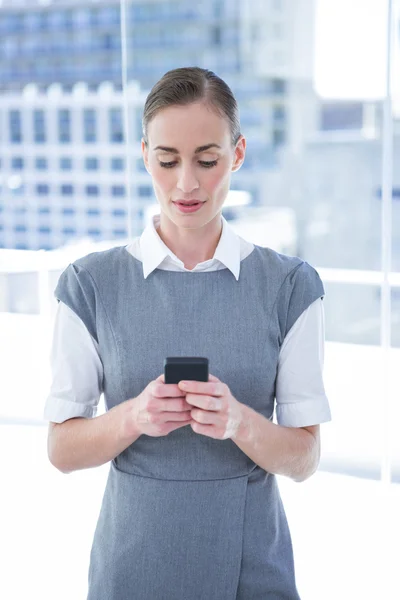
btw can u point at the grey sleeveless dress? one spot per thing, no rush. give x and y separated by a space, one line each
185 516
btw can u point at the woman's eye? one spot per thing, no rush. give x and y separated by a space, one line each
167 165
207 164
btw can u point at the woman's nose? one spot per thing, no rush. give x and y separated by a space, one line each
187 180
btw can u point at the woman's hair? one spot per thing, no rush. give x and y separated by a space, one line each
192 84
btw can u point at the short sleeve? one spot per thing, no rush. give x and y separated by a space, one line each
77 370
301 400
300 289
77 290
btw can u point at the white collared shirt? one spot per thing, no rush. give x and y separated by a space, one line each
77 370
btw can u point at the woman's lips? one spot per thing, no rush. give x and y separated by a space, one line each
185 208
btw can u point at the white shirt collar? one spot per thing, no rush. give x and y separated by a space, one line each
154 251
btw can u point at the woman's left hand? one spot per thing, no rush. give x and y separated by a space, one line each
215 413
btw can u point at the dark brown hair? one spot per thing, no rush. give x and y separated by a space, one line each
192 84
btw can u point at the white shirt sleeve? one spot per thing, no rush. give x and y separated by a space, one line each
77 370
300 394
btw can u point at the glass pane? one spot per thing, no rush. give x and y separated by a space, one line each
312 181
310 88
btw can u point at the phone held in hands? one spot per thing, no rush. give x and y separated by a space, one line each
185 368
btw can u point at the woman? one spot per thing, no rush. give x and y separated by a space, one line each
191 509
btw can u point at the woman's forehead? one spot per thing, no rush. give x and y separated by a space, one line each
195 122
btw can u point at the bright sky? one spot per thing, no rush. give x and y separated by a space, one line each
350 51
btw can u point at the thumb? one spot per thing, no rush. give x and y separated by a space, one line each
161 378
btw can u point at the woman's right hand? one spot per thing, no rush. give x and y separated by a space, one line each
160 408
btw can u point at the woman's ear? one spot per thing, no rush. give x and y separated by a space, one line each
240 152
145 154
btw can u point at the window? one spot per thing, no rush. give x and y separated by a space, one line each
278 137
89 125
68 211
119 232
15 126
17 162
44 229
65 163
91 164
94 232
145 190
41 163
216 35
279 113
64 125
69 230
117 190
66 189
278 86
117 164
119 212
39 129
93 212
44 210
115 124
92 190
42 189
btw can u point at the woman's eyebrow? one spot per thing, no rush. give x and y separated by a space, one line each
197 151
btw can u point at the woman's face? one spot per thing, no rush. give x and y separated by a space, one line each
190 157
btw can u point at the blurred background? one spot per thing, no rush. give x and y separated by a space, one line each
318 87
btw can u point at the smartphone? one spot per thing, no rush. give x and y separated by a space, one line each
185 368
